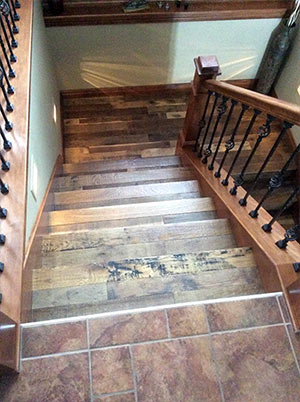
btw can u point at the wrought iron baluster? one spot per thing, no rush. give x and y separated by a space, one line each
1 270
17 4
230 143
221 110
12 57
11 72
13 6
275 182
3 213
263 132
8 124
10 89
200 153
6 144
2 239
202 121
9 105
233 104
5 164
14 42
286 126
291 234
296 266
267 227
4 187
15 29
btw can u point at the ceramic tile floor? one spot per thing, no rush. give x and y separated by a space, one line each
231 351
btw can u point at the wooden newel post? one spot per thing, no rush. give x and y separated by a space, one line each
207 67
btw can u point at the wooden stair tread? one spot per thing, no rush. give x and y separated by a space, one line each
76 182
133 235
147 267
66 199
128 211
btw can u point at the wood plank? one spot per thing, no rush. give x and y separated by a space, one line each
79 275
99 214
133 235
120 178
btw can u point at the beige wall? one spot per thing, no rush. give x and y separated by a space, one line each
147 54
288 85
44 134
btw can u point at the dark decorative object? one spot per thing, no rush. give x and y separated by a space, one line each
277 51
56 6
135 5
186 5
178 3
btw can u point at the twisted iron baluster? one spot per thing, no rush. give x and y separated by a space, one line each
10 89
4 187
275 182
13 6
11 72
200 153
230 143
17 4
202 121
3 215
15 28
5 164
8 124
267 227
286 126
7 12
236 156
6 144
9 105
221 110
12 57
291 234
233 104
263 132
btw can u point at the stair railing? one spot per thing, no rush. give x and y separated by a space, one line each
15 56
221 117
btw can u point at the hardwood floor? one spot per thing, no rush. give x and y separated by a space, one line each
129 226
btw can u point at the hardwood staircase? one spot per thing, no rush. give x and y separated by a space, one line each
133 233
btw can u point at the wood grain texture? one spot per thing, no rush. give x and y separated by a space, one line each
110 12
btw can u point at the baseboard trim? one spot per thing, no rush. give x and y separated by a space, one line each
145 89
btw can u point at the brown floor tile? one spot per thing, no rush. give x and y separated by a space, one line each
117 398
48 339
295 338
243 314
127 328
187 321
63 378
257 365
176 371
111 371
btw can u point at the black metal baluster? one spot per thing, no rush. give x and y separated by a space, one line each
202 121
267 227
6 144
291 234
13 6
9 105
17 4
230 143
221 110
14 42
2 239
15 29
263 132
296 266
4 187
11 72
10 89
275 182
3 213
5 164
233 104
200 153
1 270
286 126
8 124
12 57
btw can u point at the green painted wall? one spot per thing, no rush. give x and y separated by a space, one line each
147 54
44 133
288 85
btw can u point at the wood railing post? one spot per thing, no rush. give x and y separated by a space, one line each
207 67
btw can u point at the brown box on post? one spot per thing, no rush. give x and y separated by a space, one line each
209 64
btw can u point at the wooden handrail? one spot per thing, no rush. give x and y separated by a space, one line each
278 108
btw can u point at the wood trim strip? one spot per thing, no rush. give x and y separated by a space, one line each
268 256
15 202
276 107
109 12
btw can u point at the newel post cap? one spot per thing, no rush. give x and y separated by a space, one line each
207 65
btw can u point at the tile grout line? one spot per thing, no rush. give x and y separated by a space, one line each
168 324
89 359
151 342
133 373
289 336
214 357
130 391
